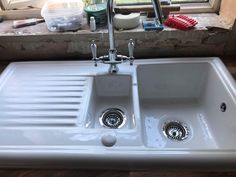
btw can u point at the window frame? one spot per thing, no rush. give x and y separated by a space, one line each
212 6
14 4
9 4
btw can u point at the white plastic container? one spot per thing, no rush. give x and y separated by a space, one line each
63 15
92 24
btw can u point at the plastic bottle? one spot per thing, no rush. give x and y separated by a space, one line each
92 24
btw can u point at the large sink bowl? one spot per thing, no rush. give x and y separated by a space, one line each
187 105
158 113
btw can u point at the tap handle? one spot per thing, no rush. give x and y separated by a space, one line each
131 51
131 48
93 47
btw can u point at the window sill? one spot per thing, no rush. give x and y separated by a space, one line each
209 38
205 21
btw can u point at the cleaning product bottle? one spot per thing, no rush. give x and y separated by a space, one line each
92 24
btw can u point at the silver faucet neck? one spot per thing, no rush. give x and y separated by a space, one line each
157 10
110 15
112 58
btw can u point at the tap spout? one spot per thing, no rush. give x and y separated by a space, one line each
110 15
112 58
157 10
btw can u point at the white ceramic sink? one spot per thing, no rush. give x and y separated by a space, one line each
194 94
158 113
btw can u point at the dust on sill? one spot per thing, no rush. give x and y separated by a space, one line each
206 21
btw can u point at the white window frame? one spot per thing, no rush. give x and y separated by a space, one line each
15 4
9 4
212 6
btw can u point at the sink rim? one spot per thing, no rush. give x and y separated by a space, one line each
81 153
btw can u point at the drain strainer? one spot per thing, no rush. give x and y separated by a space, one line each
112 118
175 130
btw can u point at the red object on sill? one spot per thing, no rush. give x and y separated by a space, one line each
181 22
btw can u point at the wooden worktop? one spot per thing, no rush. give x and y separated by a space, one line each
110 173
231 65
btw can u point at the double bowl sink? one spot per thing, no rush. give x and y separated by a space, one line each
158 113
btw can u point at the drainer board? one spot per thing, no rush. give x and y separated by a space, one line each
50 99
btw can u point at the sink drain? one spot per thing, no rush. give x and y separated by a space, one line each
112 118
175 130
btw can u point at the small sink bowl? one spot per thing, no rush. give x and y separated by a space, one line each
113 110
111 104
186 105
